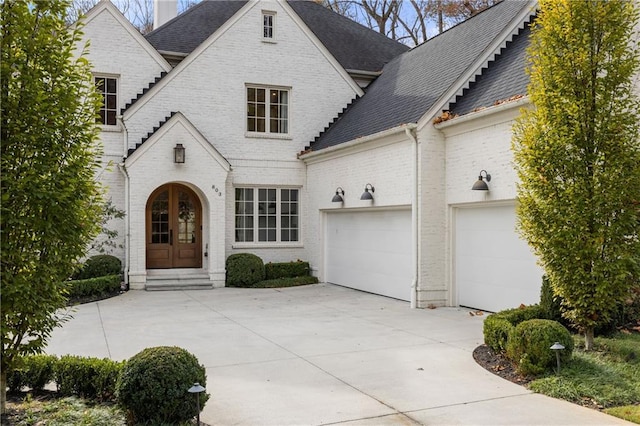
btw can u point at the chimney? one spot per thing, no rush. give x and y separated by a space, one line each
164 11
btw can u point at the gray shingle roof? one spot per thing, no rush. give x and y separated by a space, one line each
504 78
356 47
188 30
353 45
414 81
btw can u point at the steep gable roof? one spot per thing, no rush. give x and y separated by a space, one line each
354 46
188 30
505 78
414 82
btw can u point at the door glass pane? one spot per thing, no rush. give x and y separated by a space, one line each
186 219
160 219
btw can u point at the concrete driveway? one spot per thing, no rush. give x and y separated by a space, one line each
318 355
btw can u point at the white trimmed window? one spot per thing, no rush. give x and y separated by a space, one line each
108 88
267 215
267 110
268 25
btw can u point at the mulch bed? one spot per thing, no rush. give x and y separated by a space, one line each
499 365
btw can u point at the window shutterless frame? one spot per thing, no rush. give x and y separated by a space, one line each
267 110
107 86
267 215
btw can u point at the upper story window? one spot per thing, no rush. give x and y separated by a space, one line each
267 110
268 25
108 88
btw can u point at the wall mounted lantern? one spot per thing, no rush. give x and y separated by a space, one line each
338 197
480 184
178 154
368 191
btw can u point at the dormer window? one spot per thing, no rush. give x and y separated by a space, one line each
268 25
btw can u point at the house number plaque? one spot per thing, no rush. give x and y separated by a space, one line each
217 190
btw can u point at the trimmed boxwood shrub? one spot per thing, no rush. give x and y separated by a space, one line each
90 378
93 286
286 270
153 386
35 371
99 266
497 326
529 343
244 270
496 332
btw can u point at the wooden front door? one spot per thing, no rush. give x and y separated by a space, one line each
174 228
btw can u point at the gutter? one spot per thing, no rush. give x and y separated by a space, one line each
355 142
483 113
123 169
410 131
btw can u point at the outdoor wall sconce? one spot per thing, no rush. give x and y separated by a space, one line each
178 154
557 347
197 389
480 184
338 197
366 195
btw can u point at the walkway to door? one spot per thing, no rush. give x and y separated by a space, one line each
318 355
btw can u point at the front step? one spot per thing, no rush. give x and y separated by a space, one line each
177 279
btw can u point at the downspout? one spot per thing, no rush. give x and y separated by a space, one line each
125 174
410 130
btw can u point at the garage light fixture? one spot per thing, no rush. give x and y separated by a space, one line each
480 184
366 195
178 154
338 197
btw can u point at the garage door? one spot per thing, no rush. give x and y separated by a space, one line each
494 268
370 251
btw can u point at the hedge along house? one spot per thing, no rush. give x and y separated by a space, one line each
285 130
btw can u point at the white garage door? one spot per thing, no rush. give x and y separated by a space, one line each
370 251
494 268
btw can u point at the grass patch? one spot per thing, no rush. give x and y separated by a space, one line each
64 412
286 282
630 413
606 377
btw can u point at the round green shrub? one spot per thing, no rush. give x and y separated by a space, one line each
99 266
153 386
530 342
496 332
244 270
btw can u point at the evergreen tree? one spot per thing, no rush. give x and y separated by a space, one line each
577 153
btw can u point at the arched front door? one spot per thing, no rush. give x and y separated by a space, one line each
174 228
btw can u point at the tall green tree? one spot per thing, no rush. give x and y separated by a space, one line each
51 205
577 153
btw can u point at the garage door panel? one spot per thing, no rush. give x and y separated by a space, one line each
494 268
370 251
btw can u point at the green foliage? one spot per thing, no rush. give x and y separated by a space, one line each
286 270
38 370
550 304
286 282
93 287
496 327
67 411
153 386
51 205
601 376
496 332
529 343
91 378
630 413
99 266
244 270
577 154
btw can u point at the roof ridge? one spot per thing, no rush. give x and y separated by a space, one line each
151 133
